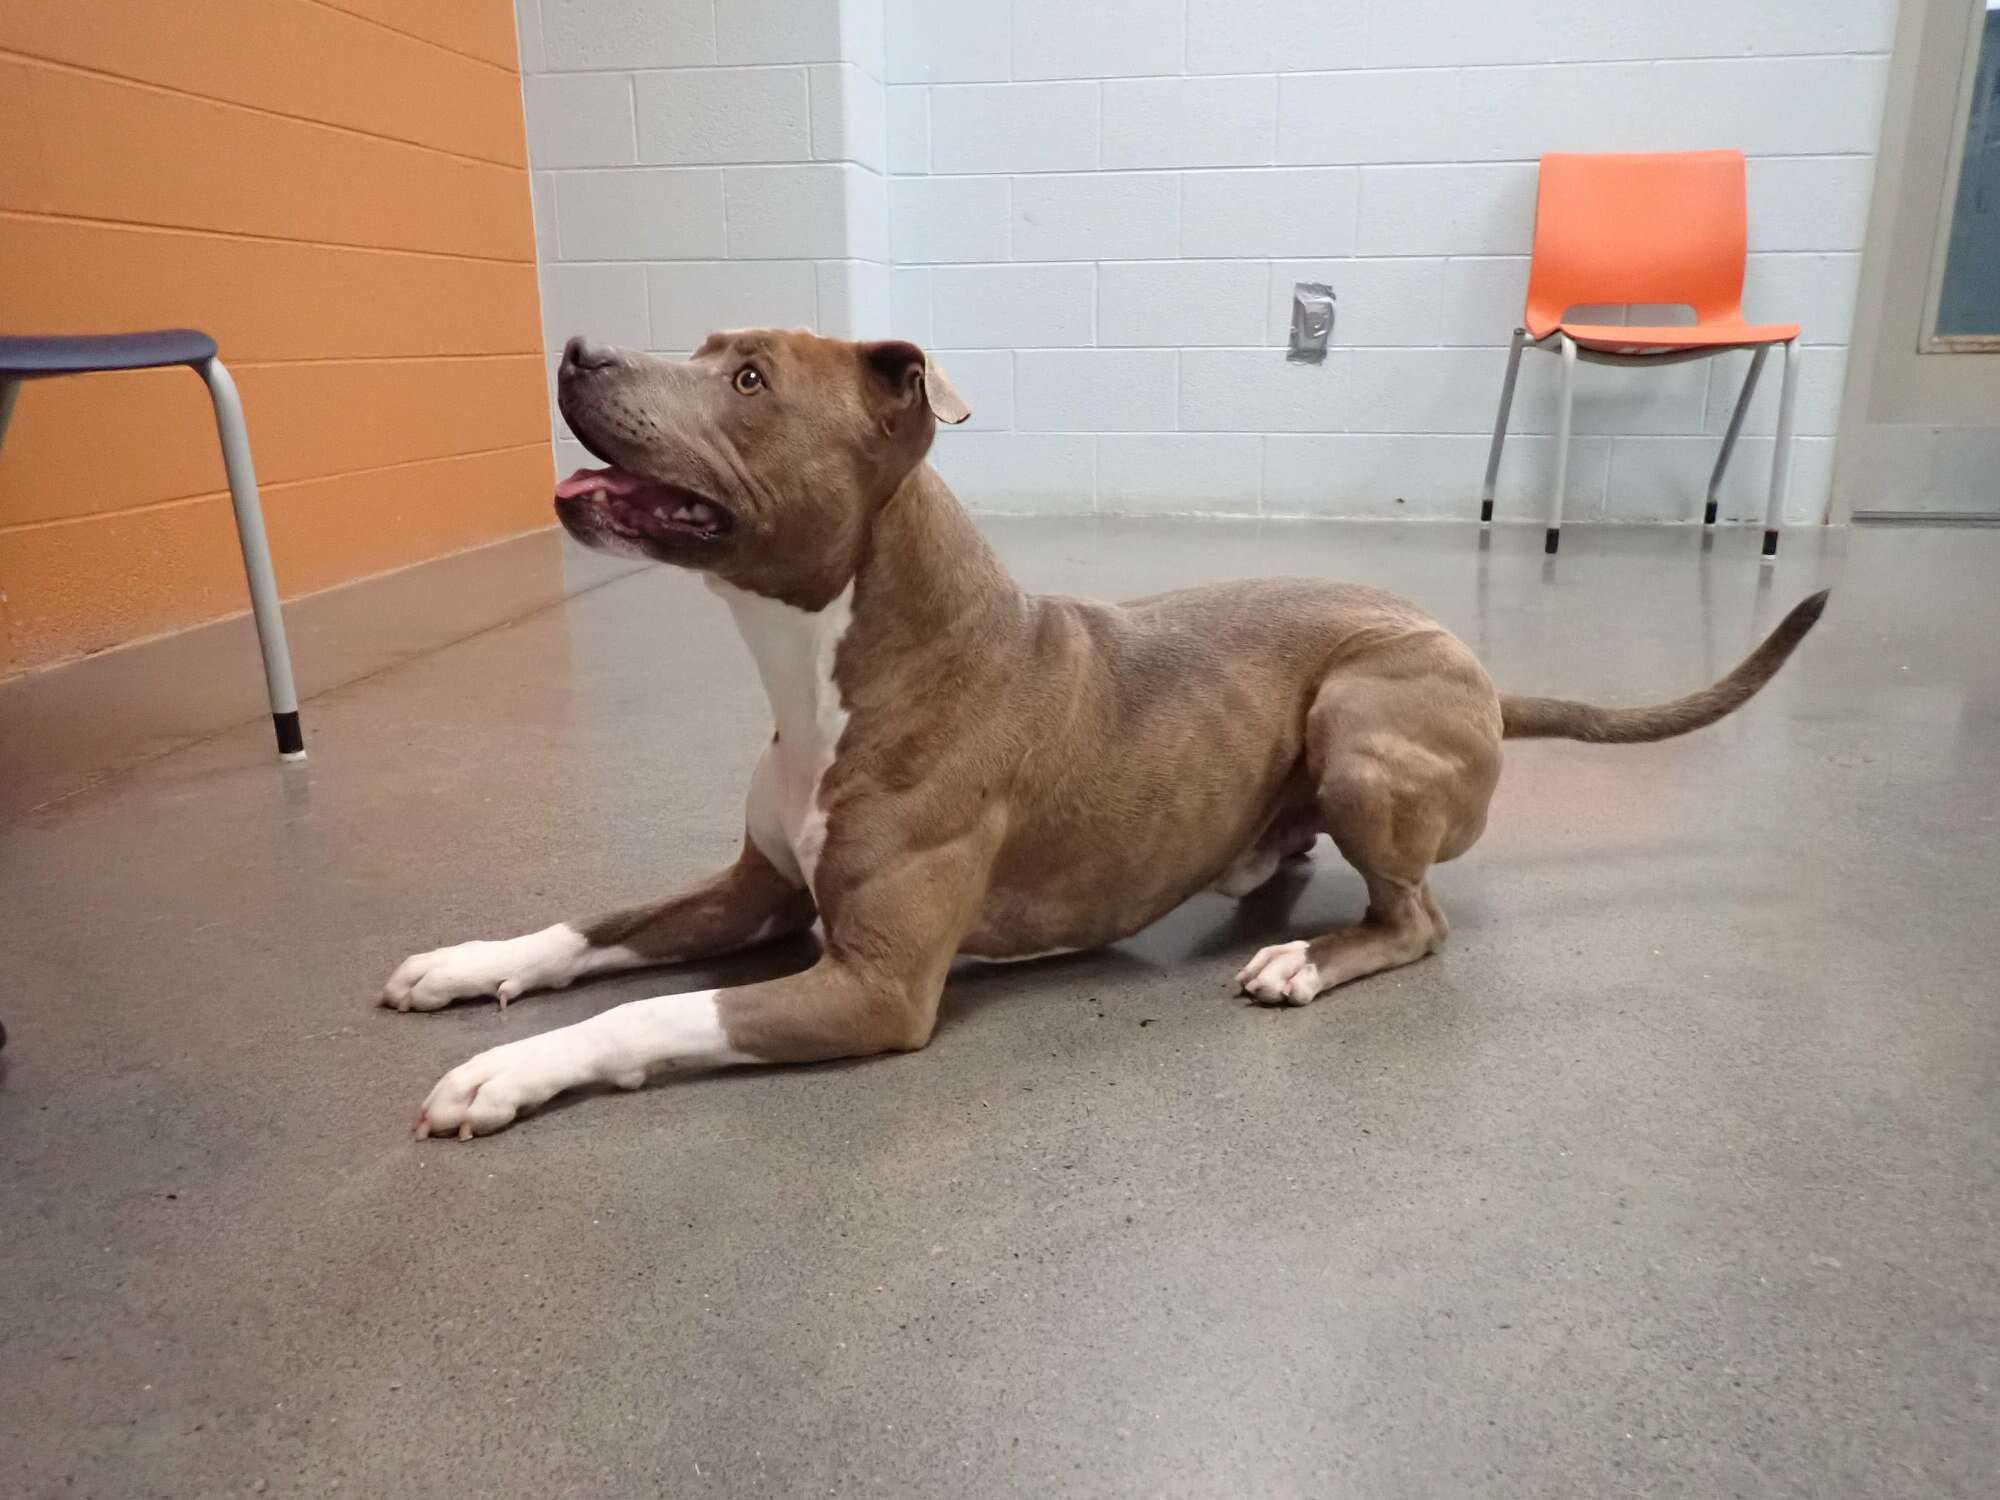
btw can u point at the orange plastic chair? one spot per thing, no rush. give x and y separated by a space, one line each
1658 228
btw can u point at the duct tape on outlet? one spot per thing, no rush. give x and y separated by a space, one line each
1312 322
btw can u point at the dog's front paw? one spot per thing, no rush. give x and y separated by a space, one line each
540 960
1281 975
486 1092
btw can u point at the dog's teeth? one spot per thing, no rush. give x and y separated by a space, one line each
704 514
685 513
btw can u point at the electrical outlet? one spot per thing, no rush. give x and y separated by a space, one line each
1312 322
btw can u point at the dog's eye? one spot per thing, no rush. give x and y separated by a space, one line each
749 380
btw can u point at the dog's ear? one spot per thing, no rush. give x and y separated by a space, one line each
904 374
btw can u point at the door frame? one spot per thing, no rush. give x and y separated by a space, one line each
1905 394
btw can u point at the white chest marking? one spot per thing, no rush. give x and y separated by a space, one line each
794 649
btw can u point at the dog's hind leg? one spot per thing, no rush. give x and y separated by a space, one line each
1399 786
1290 837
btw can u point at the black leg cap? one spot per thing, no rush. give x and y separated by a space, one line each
1552 540
291 738
1485 511
1770 544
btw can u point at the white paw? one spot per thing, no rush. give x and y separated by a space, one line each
486 1092
540 960
1281 975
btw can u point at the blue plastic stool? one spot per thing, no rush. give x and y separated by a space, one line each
36 358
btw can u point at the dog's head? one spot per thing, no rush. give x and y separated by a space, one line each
761 459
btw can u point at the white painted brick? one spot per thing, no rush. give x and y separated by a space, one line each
774 31
1256 390
1273 36
1614 399
780 212
1298 211
626 34
1817 292
950 219
546 243
1482 299
910 303
724 115
1190 122
1771 106
1815 409
1666 479
692 299
1811 494
1446 210
1424 390
1014 127
909 129
1097 216
1762 106
1375 301
1041 473
854 300
1103 39
1181 302
528 36
1002 307
606 303
951 43
847 116
640 214
1379 116
1387 475
862 39
1437 32
1094 390
1809 203
580 119
985 377
867 213
1179 473
1517 114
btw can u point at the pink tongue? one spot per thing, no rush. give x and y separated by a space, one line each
599 482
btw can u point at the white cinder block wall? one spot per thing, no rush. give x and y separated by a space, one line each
703 164
1094 215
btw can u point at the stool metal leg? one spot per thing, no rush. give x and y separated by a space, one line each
1500 426
264 606
1735 426
1552 539
1781 454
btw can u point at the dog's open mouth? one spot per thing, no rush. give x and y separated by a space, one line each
642 509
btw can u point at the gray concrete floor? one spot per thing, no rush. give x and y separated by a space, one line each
1674 1174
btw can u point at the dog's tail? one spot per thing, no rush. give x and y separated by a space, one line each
1560 719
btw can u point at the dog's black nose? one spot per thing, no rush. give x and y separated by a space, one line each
584 355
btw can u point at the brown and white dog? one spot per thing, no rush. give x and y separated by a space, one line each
960 767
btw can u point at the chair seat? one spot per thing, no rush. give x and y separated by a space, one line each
81 354
1610 338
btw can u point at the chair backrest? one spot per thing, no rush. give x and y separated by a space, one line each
1659 227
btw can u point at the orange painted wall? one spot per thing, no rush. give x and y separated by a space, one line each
337 190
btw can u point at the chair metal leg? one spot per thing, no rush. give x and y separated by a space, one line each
9 390
1781 453
264 607
1500 425
1735 426
1553 538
